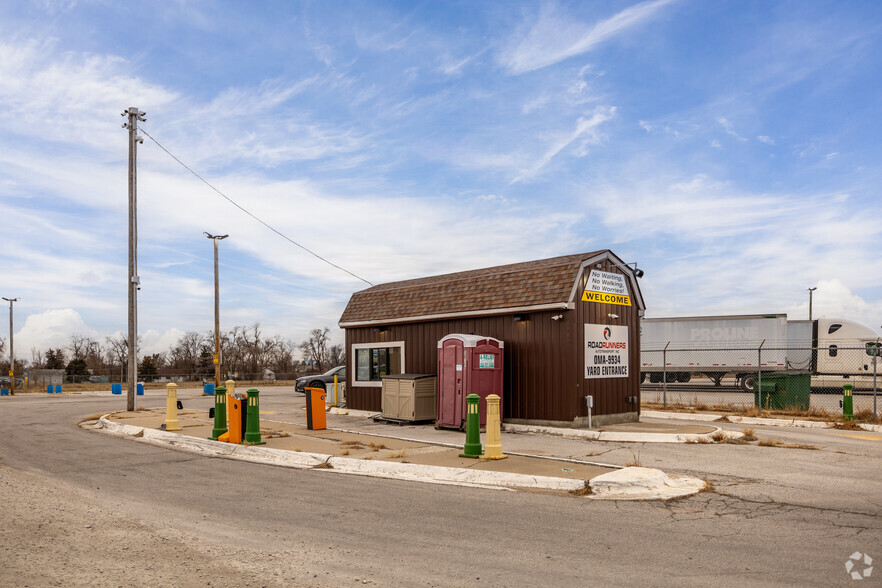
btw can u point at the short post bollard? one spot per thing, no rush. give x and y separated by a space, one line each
472 447
847 403
493 447
171 407
252 427
220 413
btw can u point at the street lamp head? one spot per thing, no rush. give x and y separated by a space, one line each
210 236
11 299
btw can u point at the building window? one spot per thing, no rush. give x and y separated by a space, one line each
375 360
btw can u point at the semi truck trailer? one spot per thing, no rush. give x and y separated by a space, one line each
833 351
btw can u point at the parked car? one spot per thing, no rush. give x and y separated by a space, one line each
321 380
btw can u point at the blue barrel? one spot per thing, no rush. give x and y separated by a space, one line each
48 388
116 388
140 389
208 389
58 388
4 391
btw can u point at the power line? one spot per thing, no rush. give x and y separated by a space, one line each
237 205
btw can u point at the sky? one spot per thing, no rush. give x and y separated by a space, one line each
731 149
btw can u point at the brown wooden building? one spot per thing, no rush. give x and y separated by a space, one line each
570 325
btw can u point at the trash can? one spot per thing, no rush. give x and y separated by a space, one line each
315 409
116 388
208 389
792 392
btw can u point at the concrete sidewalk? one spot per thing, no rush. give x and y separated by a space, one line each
355 444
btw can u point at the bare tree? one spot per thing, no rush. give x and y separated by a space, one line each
315 349
37 361
187 352
118 353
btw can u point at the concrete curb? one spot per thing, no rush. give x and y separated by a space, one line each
615 436
343 465
637 483
688 416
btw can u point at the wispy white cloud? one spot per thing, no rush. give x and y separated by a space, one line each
765 139
727 126
585 131
556 37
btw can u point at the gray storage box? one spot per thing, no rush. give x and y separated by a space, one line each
409 397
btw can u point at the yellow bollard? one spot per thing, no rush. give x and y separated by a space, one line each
171 408
493 445
335 389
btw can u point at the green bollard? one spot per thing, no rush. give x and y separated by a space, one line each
220 413
252 426
472 447
847 403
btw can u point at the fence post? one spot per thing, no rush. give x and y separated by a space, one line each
665 374
875 367
759 368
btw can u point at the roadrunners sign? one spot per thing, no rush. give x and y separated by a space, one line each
606 351
606 288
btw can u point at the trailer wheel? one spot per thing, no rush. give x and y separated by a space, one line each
748 382
655 377
642 377
684 377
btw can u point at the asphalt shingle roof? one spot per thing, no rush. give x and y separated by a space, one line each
545 281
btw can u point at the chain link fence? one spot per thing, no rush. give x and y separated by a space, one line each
796 380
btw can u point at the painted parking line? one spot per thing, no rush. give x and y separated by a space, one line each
865 437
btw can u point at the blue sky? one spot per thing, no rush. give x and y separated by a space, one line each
729 148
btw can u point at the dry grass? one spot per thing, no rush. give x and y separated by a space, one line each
634 462
749 435
583 491
351 443
344 452
846 425
323 466
708 486
274 434
377 446
397 454
722 419
776 443
92 417
699 440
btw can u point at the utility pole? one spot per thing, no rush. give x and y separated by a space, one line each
810 290
134 281
217 358
11 351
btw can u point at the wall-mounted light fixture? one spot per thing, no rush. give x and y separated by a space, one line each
520 318
556 317
381 329
637 272
613 316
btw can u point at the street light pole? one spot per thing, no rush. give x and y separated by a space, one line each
216 358
810 290
11 351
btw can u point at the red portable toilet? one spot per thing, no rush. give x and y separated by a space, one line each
467 364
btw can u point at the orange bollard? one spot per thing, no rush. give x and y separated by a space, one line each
234 409
315 409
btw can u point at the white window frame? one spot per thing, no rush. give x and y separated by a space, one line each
375 345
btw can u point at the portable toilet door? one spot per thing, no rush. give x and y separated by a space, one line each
451 400
467 364
484 375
